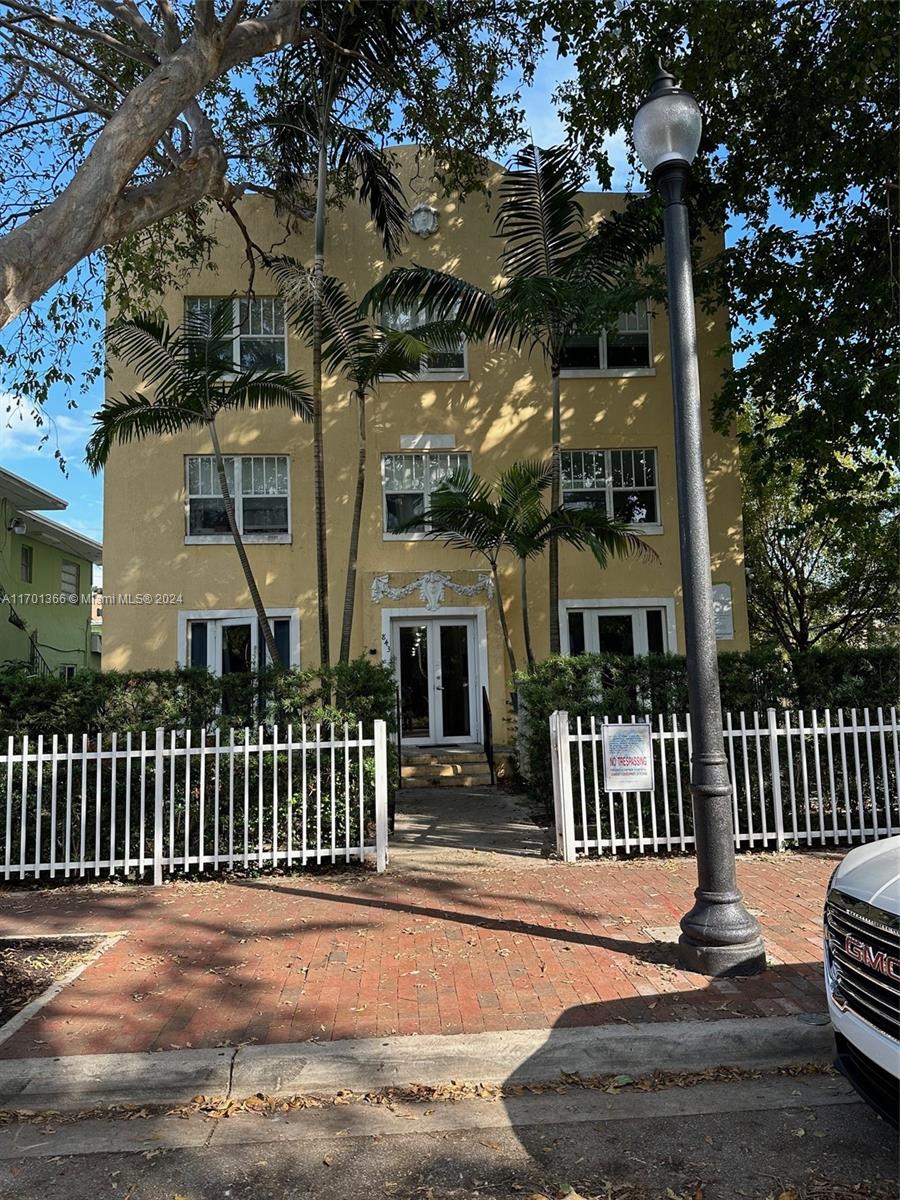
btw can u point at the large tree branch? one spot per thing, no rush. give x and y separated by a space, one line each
48 20
99 205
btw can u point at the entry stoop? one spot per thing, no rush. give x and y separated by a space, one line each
445 766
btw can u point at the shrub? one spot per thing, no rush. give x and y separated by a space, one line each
190 698
608 685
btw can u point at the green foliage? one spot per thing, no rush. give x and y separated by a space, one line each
562 276
191 382
251 803
820 572
608 685
189 698
798 156
436 74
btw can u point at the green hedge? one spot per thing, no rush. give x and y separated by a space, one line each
118 701
608 685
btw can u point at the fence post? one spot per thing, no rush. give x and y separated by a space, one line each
562 786
775 765
158 809
381 797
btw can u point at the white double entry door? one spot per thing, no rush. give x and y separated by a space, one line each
436 661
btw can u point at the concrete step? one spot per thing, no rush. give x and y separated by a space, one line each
477 767
437 757
448 781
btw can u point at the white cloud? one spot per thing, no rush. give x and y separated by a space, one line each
24 434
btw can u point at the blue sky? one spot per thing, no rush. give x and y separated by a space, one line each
21 447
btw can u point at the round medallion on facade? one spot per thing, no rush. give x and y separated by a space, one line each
424 220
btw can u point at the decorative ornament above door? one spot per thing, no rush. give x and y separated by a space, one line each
431 587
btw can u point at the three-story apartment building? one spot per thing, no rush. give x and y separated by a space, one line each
420 604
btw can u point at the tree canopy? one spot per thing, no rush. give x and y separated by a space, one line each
123 121
799 158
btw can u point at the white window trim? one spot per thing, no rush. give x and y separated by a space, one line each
667 604
237 369
225 539
652 529
232 614
426 373
388 615
604 372
413 535
429 375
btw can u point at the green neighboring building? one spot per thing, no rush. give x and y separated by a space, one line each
46 577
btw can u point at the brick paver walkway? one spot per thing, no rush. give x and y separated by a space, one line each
280 959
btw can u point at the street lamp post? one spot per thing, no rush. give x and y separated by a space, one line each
718 935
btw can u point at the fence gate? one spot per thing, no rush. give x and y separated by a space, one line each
797 779
174 801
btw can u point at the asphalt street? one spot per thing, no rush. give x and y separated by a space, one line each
802 1137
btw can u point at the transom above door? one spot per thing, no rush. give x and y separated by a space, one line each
437 674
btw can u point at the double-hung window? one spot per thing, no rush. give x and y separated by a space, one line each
409 481
259 484
257 336
621 483
447 363
70 578
620 350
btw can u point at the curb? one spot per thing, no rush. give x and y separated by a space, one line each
368 1064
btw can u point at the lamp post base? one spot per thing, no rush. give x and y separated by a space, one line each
745 958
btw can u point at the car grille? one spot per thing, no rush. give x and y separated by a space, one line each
864 945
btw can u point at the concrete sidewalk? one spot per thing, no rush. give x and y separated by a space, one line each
344 955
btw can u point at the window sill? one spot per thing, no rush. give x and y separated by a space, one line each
249 539
652 530
431 377
407 537
620 373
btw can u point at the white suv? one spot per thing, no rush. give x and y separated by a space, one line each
862 971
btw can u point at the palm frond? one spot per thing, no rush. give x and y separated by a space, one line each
132 417
346 337
444 297
144 343
266 388
397 352
521 485
540 216
623 240
203 345
379 186
591 529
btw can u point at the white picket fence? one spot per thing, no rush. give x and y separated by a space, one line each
176 801
797 779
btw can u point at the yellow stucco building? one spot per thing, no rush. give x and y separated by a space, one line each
423 605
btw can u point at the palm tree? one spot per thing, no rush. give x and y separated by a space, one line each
322 83
365 353
562 277
192 382
511 517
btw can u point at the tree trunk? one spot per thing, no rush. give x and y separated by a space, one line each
526 623
261 615
510 653
318 431
555 500
353 553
